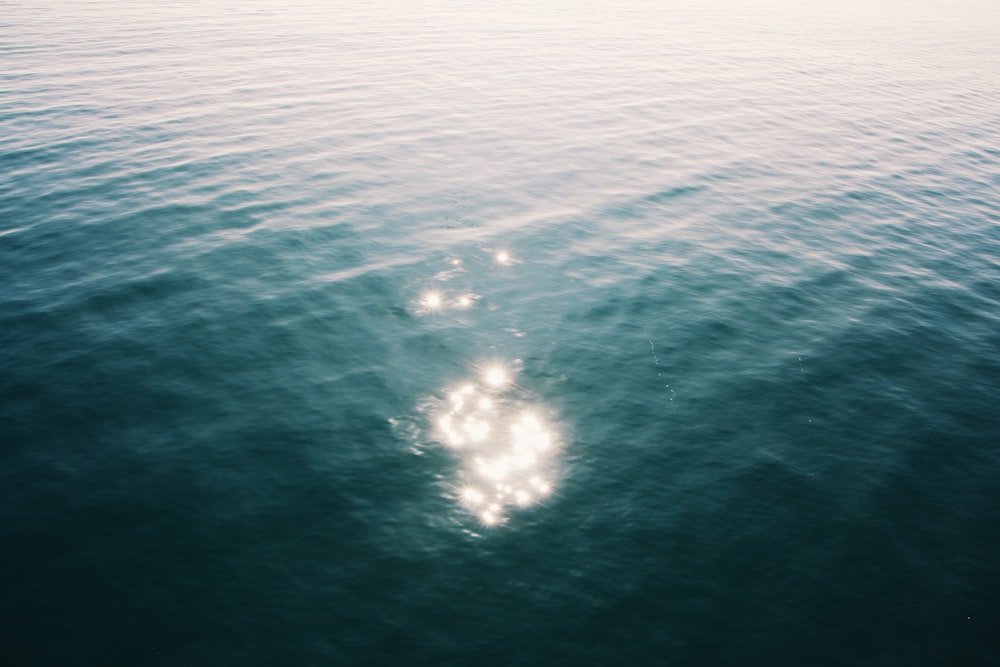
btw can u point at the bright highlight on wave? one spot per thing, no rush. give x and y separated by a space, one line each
435 301
507 449
496 376
432 300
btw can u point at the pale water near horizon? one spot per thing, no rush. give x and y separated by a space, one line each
557 333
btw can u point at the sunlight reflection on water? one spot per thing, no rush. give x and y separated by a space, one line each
505 441
506 446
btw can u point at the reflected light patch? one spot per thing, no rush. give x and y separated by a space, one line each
472 496
433 301
436 301
507 449
477 429
496 376
502 257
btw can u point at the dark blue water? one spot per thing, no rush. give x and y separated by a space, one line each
592 334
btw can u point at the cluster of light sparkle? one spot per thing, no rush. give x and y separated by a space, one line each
506 450
435 301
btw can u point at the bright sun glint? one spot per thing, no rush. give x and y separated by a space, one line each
496 376
506 448
432 300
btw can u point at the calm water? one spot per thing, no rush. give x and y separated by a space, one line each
585 334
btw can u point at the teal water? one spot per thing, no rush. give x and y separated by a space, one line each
584 334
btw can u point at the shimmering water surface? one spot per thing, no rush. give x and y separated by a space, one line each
544 333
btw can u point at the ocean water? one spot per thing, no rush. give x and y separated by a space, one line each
603 333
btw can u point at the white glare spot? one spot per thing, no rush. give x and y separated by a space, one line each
541 485
432 300
503 257
542 442
471 495
496 376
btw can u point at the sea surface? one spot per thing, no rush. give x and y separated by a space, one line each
529 333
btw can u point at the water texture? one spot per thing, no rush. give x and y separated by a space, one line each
546 333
